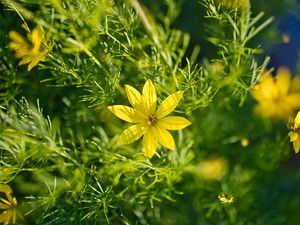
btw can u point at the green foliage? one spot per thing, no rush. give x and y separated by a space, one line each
58 141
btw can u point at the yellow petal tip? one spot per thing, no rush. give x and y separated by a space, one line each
296 149
173 148
149 155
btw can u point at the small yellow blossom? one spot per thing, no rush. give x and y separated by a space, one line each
7 206
150 122
278 97
244 142
217 67
30 51
226 198
295 132
285 38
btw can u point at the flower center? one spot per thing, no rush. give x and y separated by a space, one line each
151 120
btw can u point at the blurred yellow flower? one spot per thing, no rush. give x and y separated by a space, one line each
244 142
278 97
213 169
30 51
233 4
295 132
285 38
7 206
153 124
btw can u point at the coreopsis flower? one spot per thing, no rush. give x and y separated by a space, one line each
278 97
295 132
151 123
7 206
30 51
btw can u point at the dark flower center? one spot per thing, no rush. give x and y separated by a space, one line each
151 120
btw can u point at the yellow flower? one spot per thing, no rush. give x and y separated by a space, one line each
149 121
295 132
7 206
30 51
213 169
278 97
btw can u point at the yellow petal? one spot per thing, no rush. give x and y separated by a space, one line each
134 97
30 66
265 89
293 100
22 48
173 122
283 79
297 120
10 199
36 39
4 206
35 60
132 134
296 145
5 188
20 53
169 104
164 138
6 216
149 97
17 40
149 143
295 84
14 217
25 59
127 113
293 136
